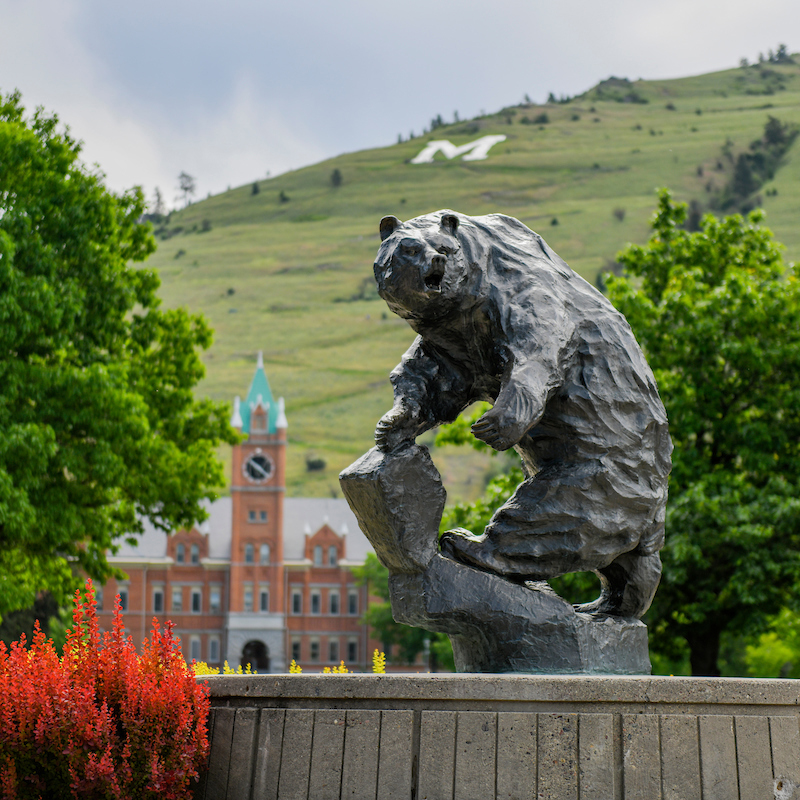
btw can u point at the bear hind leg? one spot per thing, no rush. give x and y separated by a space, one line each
628 583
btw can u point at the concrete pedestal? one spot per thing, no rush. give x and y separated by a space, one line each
477 737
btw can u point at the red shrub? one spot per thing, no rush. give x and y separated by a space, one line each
102 721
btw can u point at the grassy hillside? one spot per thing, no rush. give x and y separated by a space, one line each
288 270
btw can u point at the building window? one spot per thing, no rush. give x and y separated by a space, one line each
195 554
213 649
333 602
316 602
248 597
197 600
258 423
194 648
180 554
214 604
352 650
333 650
296 649
297 601
158 600
251 516
352 603
263 554
98 596
123 598
333 555
318 555
263 600
314 649
262 516
177 598
248 554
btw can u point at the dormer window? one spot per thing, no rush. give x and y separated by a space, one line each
258 422
195 554
333 555
180 554
263 554
318 555
248 554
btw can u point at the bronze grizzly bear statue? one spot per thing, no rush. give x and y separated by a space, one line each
502 318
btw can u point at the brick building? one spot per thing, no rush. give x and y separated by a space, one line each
265 578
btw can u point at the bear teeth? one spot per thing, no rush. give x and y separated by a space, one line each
433 283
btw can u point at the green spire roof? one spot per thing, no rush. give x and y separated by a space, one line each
259 389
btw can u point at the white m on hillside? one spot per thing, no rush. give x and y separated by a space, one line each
474 151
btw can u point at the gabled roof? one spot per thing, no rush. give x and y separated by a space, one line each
301 516
306 515
259 393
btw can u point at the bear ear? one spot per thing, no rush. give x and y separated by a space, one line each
388 226
450 223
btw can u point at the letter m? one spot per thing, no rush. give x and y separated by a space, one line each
474 151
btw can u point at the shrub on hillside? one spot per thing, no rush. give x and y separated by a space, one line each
101 721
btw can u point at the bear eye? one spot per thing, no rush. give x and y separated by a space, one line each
445 251
410 249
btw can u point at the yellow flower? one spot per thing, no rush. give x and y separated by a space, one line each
201 668
378 663
295 668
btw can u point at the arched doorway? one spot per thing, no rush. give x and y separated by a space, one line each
256 654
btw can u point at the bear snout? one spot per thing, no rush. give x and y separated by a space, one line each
433 274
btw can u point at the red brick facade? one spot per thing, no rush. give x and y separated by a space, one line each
265 579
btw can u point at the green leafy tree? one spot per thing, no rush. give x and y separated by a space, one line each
98 424
717 313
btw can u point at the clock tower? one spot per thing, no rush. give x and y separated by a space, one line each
256 616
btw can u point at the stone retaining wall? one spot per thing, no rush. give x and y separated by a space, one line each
477 737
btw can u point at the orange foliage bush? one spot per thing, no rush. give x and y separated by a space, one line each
102 721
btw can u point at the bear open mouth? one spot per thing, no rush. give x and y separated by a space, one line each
433 281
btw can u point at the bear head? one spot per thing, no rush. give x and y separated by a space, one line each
420 265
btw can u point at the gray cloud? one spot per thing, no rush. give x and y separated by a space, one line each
229 91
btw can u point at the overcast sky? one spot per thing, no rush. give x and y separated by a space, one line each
231 91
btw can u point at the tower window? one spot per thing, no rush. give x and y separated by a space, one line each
318 556
297 601
316 602
333 601
158 601
263 554
352 603
197 600
259 422
180 554
177 598
195 554
333 555
251 516
214 600
264 600
248 554
248 598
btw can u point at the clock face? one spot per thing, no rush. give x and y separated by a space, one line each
258 468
